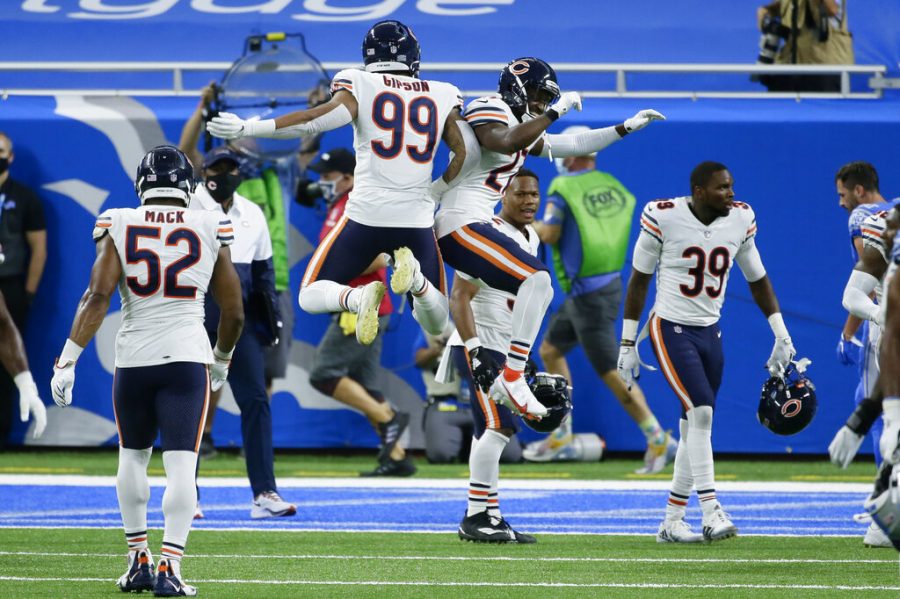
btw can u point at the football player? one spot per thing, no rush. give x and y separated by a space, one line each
163 258
693 242
14 360
509 126
859 194
484 318
397 121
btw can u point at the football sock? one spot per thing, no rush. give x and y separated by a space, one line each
133 491
179 501
327 296
532 299
699 446
653 431
431 308
484 466
682 479
516 357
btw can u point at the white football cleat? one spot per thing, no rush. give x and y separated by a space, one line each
658 457
717 526
517 396
677 531
269 504
875 537
405 268
367 314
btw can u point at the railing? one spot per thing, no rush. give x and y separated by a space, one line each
178 71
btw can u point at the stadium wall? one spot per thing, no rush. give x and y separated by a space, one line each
80 154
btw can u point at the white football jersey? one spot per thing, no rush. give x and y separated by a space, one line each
694 259
395 134
475 197
872 228
168 254
491 307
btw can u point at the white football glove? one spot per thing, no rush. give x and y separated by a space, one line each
888 441
62 383
844 446
30 403
629 364
642 119
567 101
230 126
218 370
782 354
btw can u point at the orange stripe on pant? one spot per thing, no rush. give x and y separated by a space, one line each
491 417
667 367
501 250
115 414
203 415
483 254
318 258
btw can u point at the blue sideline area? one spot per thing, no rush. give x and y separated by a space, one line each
437 510
783 155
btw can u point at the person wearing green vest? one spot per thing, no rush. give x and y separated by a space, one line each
587 223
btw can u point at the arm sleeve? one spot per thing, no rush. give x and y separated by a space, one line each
646 253
578 144
555 212
856 298
750 262
225 232
338 117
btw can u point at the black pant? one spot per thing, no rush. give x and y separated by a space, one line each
13 289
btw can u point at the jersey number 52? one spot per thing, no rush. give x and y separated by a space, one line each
155 271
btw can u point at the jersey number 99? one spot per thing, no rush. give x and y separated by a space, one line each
420 114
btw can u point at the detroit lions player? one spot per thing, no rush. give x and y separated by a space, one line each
693 242
397 121
484 319
164 258
859 194
509 126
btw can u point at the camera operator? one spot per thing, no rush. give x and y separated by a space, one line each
814 32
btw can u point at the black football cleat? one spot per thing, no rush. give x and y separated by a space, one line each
389 467
168 581
140 576
483 528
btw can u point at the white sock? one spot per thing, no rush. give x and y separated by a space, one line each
431 309
133 491
699 446
682 479
179 501
532 301
327 296
484 467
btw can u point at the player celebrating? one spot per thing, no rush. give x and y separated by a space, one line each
164 258
694 241
510 126
483 316
397 122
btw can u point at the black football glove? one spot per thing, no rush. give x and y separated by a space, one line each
484 367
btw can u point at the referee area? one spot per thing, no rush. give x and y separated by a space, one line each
595 525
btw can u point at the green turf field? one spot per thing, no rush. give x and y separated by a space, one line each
263 564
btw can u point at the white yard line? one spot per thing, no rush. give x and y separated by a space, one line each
491 584
453 558
69 480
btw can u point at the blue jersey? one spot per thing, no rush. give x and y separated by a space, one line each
858 215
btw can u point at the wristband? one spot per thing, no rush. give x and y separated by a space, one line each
472 343
70 353
24 381
260 128
629 330
222 356
551 114
864 416
778 328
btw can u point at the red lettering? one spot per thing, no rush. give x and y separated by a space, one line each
149 217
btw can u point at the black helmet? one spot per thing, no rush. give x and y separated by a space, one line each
391 46
165 172
523 79
788 403
552 390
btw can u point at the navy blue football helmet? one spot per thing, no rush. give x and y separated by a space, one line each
528 79
165 172
552 390
391 46
787 404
